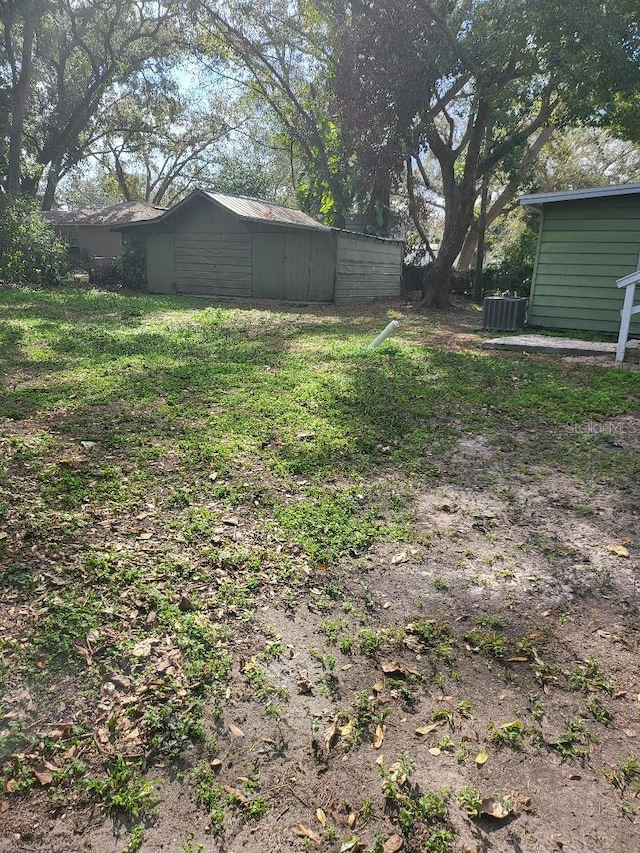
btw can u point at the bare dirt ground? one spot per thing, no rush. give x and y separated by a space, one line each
526 703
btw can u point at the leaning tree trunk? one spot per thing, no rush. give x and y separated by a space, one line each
52 185
437 277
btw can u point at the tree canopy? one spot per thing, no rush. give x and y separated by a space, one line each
470 86
440 101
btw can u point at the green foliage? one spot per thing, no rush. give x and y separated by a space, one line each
329 526
471 800
511 275
492 643
124 791
171 728
30 253
588 678
623 116
435 635
210 794
626 776
238 177
417 814
508 734
137 837
134 263
570 743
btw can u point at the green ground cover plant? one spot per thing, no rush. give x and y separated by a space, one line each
236 556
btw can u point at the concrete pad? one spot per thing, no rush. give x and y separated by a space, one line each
557 346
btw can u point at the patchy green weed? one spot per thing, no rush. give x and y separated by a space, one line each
123 791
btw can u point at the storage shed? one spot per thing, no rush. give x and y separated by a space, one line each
213 244
588 238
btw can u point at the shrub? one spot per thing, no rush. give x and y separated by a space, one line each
512 274
30 253
134 263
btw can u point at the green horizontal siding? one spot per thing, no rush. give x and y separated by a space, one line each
584 246
580 244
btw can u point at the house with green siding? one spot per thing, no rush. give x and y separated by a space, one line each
587 239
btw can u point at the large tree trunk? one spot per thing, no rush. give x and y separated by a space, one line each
19 98
438 274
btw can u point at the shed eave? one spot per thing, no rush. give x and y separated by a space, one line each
538 199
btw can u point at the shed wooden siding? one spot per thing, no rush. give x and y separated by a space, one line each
292 264
212 252
366 268
161 262
583 247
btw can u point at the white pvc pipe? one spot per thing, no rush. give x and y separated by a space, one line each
384 334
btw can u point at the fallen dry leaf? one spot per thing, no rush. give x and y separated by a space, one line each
482 757
380 731
142 649
322 818
303 831
351 820
235 731
45 777
402 557
425 730
237 794
330 735
393 844
352 844
435 750
618 550
493 807
392 667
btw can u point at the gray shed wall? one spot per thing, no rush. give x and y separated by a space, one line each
291 264
161 262
367 268
212 252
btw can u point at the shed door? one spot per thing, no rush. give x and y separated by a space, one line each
268 262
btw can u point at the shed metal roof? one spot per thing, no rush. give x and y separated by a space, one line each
246 209
576 195
258 210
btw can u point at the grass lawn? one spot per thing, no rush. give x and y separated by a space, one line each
266 589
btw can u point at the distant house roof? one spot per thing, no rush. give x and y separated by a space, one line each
577 195
116 214
250 210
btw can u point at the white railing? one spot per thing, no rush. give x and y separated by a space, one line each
628 309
